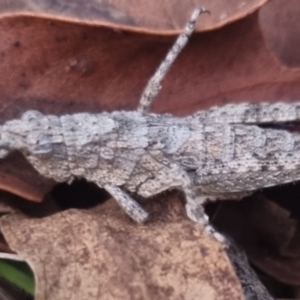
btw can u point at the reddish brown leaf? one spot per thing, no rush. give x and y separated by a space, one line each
279 21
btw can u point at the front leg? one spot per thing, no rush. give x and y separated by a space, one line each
131 207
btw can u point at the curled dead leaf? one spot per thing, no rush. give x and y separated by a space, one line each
150 17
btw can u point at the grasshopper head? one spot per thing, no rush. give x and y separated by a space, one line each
12 137
4 149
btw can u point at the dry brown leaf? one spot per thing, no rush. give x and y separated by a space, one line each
137 15
101 254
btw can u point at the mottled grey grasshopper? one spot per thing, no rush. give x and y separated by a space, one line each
220 153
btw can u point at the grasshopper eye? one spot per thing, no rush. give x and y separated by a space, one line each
39 144
31 115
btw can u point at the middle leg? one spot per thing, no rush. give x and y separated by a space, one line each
173 176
